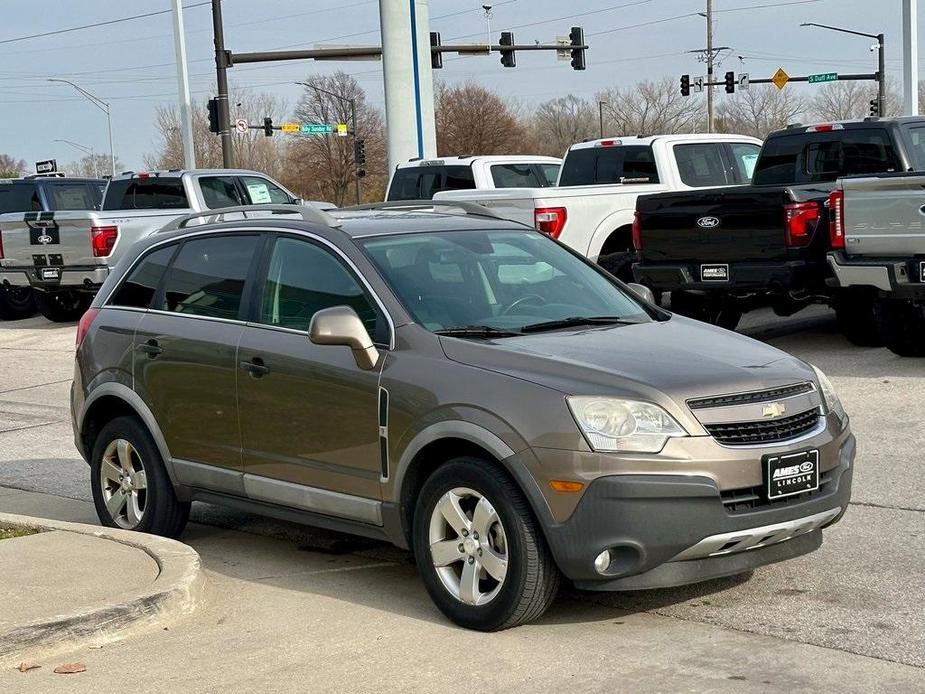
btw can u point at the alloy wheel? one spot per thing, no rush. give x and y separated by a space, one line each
124 484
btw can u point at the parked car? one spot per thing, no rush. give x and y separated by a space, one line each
725 251
421 179
40 193
456 384
877 233
591 208
66 256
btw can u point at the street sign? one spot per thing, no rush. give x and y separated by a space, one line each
342 130
780 78
697 84
315 129
289 127
822 77
743 80
240 126
47 166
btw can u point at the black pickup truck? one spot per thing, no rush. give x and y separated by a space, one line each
724 251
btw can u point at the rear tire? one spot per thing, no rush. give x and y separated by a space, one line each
854 311
620 265
131 489
530 578
16 303
64 305
902 326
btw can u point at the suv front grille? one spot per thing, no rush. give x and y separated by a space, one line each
751 498
774 431
749 398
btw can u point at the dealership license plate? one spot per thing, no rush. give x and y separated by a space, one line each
787 475
714 273
922 271
50 274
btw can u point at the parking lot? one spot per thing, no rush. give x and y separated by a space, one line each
858 598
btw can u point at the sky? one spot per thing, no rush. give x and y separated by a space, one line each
131 64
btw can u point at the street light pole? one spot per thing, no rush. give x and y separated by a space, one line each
100 104
86 149
353 123
881 59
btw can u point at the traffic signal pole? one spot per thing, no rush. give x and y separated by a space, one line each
221 70
709 66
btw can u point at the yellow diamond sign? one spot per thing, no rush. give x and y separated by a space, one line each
780 78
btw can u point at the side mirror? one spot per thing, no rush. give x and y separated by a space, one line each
642 291
340 325
298 201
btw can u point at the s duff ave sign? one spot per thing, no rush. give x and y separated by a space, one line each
822 77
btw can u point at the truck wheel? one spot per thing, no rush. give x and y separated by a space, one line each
16 302
63 306
620 265
480 550
902 326
854 311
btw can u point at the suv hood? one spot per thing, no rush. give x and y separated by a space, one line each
661 362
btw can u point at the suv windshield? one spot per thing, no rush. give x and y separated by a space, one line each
496 281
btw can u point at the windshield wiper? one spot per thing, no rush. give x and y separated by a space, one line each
476 331
574 321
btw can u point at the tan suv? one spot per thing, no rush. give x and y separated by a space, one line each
456 384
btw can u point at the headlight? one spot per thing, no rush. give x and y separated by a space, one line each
830 398
623 426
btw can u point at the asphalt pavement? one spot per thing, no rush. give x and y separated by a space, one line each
856 603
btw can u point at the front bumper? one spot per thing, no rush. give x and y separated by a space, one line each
771 276
903 278
664 530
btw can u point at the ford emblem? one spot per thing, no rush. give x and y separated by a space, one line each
708 222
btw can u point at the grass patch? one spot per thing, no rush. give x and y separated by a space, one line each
9 533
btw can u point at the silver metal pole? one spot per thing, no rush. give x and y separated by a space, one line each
709 66
112 152
910 58
183 92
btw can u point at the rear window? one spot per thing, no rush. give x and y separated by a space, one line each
154 193
73 196
599 165
19 197
520 176
423 182
701 165
822 157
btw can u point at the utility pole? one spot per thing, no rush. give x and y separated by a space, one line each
709 66
221 69
186 115
910 58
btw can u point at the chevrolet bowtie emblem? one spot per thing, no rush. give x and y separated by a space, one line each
774 410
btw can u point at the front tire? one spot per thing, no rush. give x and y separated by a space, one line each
63 305
130 486
902 326
16 303
480 550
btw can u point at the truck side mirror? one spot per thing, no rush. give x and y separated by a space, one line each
340 325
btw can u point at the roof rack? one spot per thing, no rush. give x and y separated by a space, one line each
472 208
309 213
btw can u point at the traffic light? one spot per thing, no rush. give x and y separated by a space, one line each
874 108
507 55
214 126
359 156
730 82
268 126
436 57
577 36
685 85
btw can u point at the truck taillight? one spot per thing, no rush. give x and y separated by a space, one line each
837 219
102 240
550 220
800 222
637 231
86 320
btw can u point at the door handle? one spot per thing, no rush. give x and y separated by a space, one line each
255 367
151 348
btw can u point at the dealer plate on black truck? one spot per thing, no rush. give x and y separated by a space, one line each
787 475
714 273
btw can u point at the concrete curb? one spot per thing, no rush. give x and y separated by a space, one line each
176 591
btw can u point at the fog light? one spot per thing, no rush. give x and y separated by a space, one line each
602 561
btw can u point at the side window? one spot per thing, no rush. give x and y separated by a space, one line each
304 278
701 165
208 275
917 138
458 178
261 191
744 158
219 191
139 287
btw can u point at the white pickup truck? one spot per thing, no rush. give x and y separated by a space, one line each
591 208
66 256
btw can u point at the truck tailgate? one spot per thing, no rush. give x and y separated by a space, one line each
47 238
884 215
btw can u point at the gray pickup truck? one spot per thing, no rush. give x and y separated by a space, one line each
877 233
66 256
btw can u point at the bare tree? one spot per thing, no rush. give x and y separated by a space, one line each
323 166
474 120
651 108
11 167
559 123
758 110
92 166
846 100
